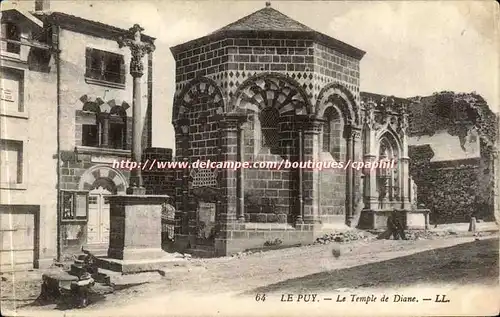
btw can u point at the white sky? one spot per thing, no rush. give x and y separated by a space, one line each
413 48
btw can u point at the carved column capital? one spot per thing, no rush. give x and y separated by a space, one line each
353 132
137 49
233 121
310 124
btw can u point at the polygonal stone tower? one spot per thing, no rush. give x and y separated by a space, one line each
265 88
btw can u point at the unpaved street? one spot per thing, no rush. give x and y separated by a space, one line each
380 263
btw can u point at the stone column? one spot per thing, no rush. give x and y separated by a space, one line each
370 175
300 176
241 174
311 181
138 50
135 243
404 164
184 130
105 130
352 134
229 152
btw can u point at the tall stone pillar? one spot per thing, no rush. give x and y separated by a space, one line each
138 50
230 128
370 155
404 163
183 128
241 173
352 137
311 181
300 176
135 243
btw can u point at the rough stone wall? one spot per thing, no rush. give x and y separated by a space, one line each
453 190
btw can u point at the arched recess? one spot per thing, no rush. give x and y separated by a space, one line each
272 100
100 181
333 140
197 91
98 175
103 124
389 175
337 107
273 103
196 118
272 90
336 94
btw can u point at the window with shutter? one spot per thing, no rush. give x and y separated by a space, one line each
11 161
10 31
74 205
105 68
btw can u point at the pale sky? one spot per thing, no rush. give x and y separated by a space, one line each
413 48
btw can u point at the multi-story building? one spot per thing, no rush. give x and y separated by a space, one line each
65 117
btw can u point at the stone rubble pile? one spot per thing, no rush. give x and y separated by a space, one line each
344 237
423 234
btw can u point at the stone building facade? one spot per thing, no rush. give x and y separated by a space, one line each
268 88
66 117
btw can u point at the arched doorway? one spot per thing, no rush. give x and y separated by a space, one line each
98 223
100 182
98 217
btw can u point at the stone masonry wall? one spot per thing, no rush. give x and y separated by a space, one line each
158 181
229 62
454 191
270 193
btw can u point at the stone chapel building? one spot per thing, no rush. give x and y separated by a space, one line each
268 88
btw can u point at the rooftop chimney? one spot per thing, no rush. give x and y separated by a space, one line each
42 5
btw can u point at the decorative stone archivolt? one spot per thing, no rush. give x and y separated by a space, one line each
99 173
390 136
337 94
193 91
385 113
96 104
271 90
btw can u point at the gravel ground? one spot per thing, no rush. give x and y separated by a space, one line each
357 264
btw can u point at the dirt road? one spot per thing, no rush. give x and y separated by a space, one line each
361 265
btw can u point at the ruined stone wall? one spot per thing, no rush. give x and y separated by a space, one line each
454 191
458 182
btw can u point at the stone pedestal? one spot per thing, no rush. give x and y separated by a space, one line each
135 235
417 219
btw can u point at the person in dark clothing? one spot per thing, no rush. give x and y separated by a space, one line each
395 227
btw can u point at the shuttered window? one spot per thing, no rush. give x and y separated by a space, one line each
74 205
10 31
11 162
105 66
